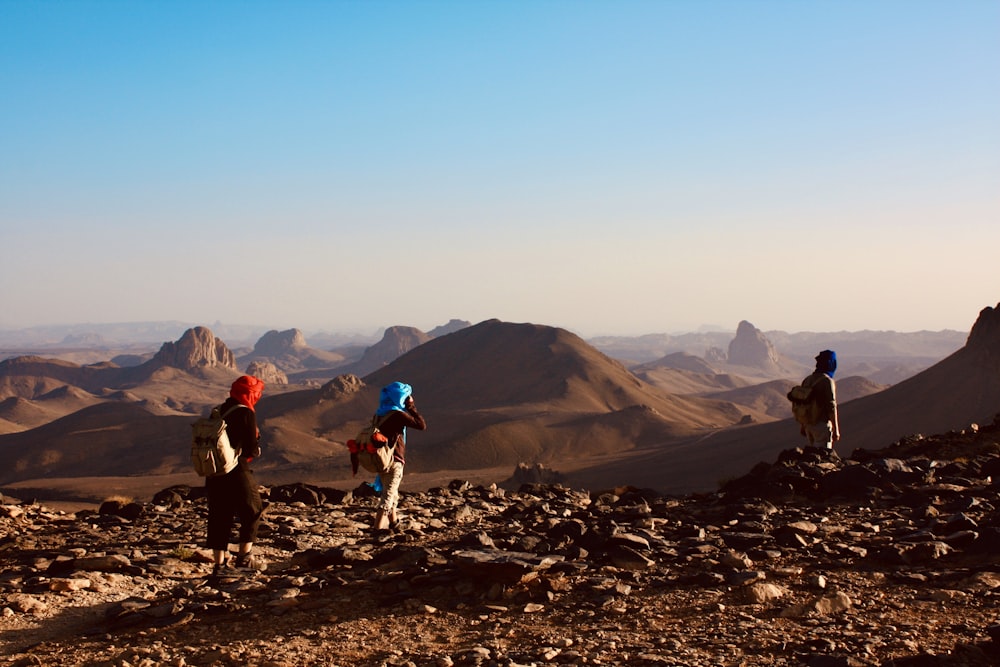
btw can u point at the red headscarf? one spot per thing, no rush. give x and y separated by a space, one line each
247 390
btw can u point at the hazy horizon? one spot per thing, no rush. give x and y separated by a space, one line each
253 332
610 168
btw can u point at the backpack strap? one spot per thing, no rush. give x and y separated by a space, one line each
377 422
238 405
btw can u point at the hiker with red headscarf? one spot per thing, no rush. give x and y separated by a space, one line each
236 493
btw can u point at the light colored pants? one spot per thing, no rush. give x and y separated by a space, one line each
389 497
821 434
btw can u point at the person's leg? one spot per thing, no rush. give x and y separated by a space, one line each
220 520
220 524
250 510
821 434
389 497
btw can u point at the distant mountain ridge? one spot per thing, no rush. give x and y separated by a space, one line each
196 351
495 393
289 352
957 391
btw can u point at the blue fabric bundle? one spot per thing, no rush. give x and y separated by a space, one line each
393 397
826 362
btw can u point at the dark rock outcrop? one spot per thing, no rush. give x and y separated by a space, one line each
451 327
396 342
196 349
751 348
267 372
985 333
279 343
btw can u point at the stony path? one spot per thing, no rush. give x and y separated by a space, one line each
812 560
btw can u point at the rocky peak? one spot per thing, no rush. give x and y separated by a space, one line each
400 340
196 348
267 372
396 342
985 334
451 327
341 386
276 343
751 347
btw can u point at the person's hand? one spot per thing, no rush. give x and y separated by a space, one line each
408 404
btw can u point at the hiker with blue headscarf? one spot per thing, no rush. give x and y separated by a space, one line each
397 406
823 427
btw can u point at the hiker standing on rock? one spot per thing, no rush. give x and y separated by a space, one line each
396 401
822 426
236 493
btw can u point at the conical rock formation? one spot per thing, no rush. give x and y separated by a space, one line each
984 338
751 348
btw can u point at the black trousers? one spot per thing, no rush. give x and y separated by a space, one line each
229 496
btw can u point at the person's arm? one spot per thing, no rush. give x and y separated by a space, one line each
244 434
414 418
834 417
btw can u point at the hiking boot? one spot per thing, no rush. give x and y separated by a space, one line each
225 567
250 562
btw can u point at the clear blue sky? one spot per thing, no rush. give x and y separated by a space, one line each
609 167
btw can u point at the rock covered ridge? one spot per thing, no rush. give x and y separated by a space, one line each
884 559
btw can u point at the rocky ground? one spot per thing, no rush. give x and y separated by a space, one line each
886 558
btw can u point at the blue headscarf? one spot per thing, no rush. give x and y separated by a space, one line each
393 397
826 362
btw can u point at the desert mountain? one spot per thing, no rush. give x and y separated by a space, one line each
361 360
960 390
750 361
102 440
451 327
884 357
288 351
197 358
197 351
752 355
21 414
683 373
395 341
497 394
268 372
751 347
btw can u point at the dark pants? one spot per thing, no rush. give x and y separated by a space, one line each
229 496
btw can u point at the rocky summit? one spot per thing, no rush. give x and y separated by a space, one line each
888 558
